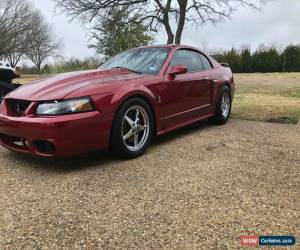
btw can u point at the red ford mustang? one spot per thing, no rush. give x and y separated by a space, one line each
137 94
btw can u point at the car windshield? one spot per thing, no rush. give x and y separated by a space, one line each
141 60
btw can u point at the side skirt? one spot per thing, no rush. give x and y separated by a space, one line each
183 124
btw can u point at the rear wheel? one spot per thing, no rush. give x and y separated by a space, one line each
132 129
223 107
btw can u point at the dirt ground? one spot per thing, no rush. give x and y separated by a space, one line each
200 187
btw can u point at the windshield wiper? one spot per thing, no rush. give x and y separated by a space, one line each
134 71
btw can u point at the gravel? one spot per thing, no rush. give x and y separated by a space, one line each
200 187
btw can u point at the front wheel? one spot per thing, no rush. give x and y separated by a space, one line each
132 129
223 107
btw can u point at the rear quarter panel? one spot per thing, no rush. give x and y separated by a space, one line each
225 77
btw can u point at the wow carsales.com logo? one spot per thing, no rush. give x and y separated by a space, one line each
254 241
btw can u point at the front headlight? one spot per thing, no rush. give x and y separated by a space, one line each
65 107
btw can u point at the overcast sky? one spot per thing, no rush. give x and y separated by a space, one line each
279 22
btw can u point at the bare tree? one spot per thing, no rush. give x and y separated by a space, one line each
42 43
19 43
157 13
14 58
15 16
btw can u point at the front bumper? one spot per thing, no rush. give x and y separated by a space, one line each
67 134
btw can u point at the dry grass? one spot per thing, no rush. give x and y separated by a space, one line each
262 107
26 79
258 96
263 97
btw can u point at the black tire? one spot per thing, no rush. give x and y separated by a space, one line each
221 118
117 144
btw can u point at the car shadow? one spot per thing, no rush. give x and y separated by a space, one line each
97 159
180 132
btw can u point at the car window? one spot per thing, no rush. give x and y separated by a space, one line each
206 63
189 58
144 60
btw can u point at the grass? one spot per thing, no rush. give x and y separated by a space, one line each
260 97
267 97
26 78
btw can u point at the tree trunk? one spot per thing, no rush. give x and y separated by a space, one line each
170 36
181 22
39 65
166 22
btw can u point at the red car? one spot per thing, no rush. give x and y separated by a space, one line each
137 94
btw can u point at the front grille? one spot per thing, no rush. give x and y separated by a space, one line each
18 107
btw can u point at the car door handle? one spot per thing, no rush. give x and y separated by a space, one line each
207 79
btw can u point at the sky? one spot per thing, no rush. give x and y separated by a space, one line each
278 23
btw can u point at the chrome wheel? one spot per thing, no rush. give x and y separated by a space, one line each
135 128
225 104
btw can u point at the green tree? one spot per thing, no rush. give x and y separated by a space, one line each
291 58
114 34
246 61
266 59
234 59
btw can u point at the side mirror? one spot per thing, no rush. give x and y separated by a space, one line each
177 70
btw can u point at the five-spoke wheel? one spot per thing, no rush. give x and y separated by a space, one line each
132 128
135 128
225 104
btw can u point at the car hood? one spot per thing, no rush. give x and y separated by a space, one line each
58 86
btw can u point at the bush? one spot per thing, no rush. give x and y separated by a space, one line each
62 66
72 64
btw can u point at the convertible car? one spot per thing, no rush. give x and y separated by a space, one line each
136 95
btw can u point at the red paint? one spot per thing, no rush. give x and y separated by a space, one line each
177 101
177 70
249 241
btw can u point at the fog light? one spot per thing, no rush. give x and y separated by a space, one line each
44 147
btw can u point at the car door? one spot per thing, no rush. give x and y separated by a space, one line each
188 95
